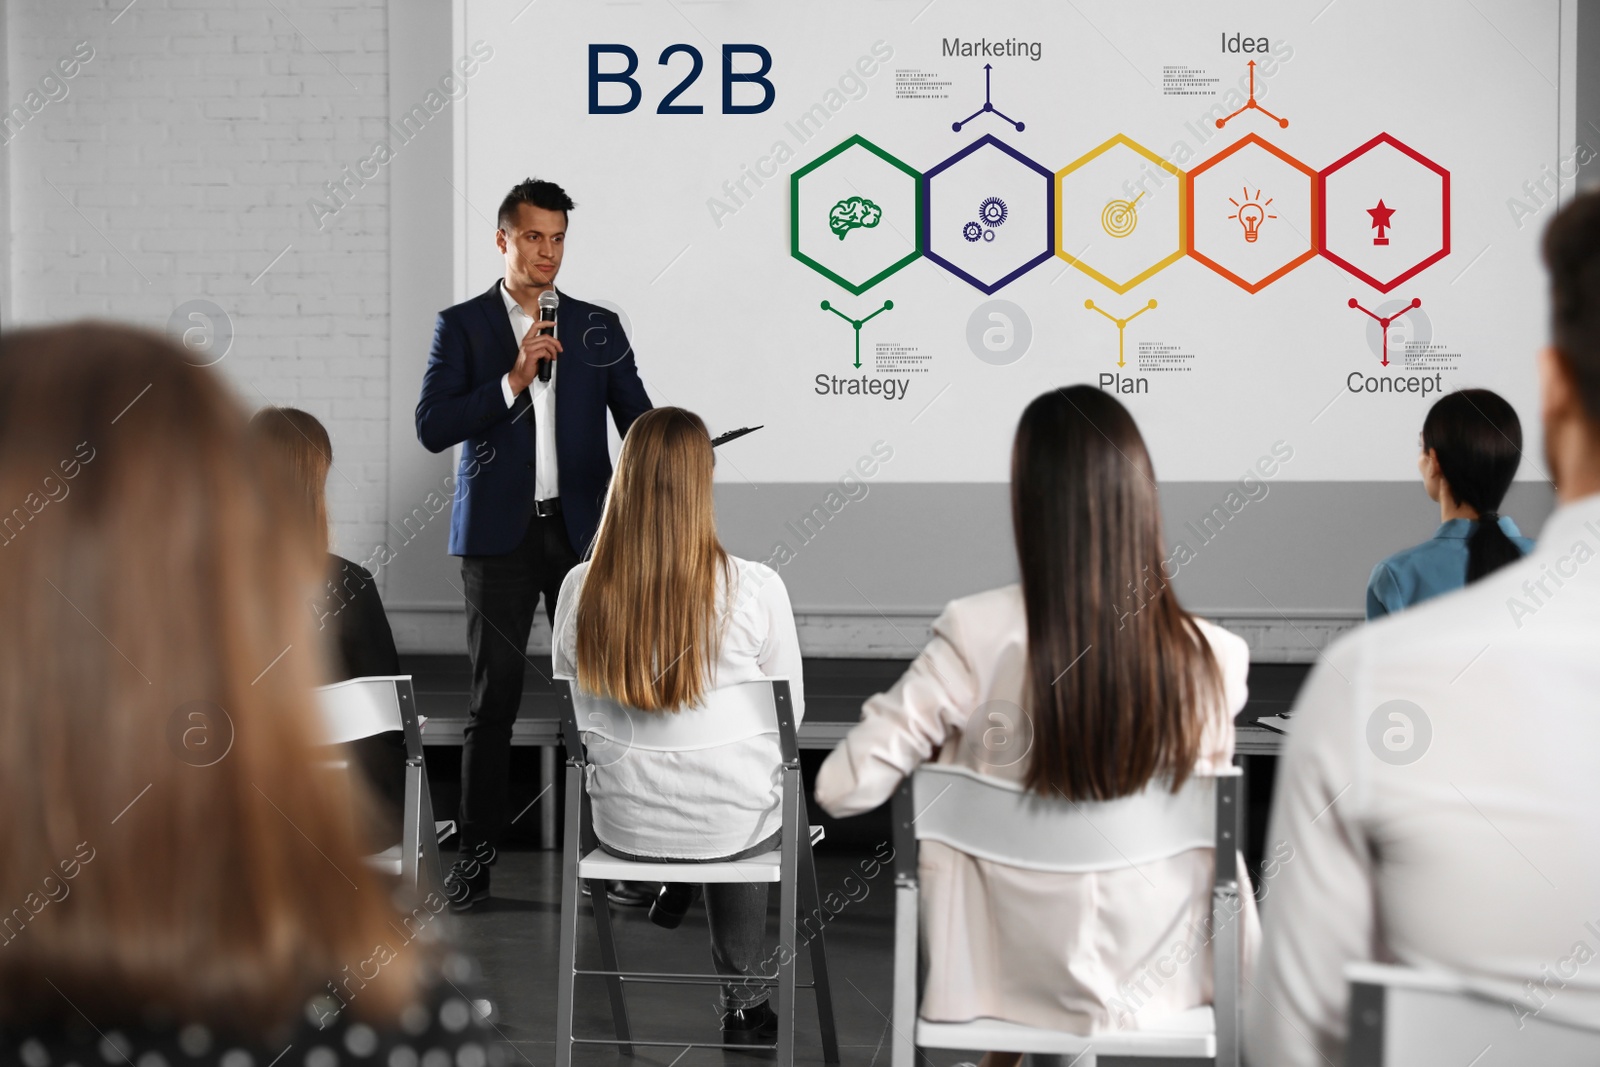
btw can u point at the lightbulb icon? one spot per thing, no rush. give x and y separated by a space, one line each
1251 212
1250 216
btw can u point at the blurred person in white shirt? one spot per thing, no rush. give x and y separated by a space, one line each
1438 797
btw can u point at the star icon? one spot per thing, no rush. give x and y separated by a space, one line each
1380 221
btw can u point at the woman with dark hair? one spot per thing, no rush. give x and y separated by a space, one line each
1471 446
188 878
348 610
659 615
1091 668
356 639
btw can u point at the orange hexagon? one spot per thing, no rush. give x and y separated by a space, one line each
1284 206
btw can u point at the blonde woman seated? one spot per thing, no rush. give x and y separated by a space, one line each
658 616
1120 687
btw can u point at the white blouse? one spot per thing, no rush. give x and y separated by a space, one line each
703 803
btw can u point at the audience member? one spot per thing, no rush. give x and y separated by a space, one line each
348 609
1437 797
657 617
1471 446
1119 687
357 641
183 883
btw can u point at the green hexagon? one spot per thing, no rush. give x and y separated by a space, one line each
914 223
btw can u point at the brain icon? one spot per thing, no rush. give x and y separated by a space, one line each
854 213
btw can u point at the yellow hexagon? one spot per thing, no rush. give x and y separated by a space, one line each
1121 213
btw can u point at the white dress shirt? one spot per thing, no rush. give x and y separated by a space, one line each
1478 856
703 803
1085 953
546 483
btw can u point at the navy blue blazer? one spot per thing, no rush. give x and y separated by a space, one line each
461 401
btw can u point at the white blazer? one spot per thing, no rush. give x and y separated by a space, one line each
1076 952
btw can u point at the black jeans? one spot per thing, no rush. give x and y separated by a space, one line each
502 594
737 915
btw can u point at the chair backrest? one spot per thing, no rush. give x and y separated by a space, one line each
997 820
605 729
1402 1016
362 707
992 819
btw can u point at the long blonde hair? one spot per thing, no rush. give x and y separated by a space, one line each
648 625
149 719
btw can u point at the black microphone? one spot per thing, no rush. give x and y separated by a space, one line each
548 300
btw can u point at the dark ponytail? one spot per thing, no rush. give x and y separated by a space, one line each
1477 438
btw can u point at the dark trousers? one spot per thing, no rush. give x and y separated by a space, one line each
737 915
502 594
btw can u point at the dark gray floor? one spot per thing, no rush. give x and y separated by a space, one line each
514 938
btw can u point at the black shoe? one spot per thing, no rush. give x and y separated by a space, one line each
630 894
625 894
468 880
672 904
750 1026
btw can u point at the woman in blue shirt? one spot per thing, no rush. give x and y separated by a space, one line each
1471 445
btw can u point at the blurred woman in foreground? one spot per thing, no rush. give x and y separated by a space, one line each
182 881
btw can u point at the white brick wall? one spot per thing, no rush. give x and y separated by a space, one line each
182 159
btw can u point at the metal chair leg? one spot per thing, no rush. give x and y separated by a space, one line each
566 977
788 914
1226 912
431 869
547 814
811 904
903 1049
907 987
410 830
608 962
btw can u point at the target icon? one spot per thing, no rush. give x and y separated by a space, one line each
1119 217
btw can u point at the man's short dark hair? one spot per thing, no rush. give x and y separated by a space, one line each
1572 255
541 194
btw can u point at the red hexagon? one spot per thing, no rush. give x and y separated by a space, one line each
1315 211
1321 223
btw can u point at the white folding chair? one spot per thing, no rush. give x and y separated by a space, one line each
1401 1016
362 707
611 731
996 820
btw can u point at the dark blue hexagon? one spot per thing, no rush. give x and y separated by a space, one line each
1047 179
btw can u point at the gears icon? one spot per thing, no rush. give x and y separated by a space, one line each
991 213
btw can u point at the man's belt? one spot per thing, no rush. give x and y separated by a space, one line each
546 509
